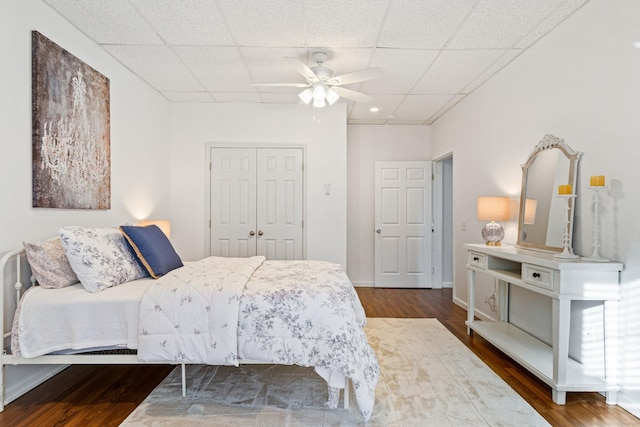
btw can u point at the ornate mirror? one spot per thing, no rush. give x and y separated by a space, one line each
544 218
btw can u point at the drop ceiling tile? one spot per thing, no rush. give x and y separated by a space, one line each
401 69
496 66
219 68
158 65
454 69
426 24
386 103
421 107
566 9
187 22
353 23
236 97
268 65
500 24
188 96
265 22
111 22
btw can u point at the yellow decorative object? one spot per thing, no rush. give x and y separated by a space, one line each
596 181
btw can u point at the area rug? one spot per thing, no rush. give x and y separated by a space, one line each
428 378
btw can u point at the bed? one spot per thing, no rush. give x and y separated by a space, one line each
221 311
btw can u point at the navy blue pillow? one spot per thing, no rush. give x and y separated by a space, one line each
152 248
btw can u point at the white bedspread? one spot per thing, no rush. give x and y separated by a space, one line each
52 320
190 314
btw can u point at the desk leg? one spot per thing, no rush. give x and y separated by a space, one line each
471 300
611 349
561 326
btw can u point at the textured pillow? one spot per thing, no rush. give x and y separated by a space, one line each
49 264
99 257
153 249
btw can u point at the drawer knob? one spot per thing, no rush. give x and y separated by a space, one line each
536 275
475 258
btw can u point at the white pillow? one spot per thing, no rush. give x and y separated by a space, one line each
49 264
99 257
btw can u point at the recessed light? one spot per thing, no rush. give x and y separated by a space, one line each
636 44
374 109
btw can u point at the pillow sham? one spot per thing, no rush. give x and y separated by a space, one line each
152 248
49 264
99 257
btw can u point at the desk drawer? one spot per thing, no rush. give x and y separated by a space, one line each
537 276
477 259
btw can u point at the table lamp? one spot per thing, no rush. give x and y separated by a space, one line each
493 208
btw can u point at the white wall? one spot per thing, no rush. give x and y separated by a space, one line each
139 143
322 132
582 83
365 146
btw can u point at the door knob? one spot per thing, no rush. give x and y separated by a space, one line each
260 233
252 233
378 231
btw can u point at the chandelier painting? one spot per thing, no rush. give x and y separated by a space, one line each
71 144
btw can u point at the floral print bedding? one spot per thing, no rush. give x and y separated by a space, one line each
305 313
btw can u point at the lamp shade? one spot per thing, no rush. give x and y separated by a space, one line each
163 225
493 208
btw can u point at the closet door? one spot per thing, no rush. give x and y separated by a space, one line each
233 202
279 203
256 201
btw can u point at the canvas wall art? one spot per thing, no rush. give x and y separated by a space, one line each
71 165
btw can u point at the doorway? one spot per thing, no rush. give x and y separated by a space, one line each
443 221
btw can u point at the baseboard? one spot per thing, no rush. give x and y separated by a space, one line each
364 284
447 284
19 379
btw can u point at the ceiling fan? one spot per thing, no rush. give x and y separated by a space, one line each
322 87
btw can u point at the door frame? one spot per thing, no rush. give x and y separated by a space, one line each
439 238
256 145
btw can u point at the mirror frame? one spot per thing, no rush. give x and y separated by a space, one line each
549 142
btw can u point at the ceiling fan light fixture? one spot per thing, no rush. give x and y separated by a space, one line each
319 92
332 96
306 96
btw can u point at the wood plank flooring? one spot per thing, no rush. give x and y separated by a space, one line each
106 395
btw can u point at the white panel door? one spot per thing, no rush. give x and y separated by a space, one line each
233 202
279 203
403 225
257 212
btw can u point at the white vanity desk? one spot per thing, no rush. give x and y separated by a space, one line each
562 280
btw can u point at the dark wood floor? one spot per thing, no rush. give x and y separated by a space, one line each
106 395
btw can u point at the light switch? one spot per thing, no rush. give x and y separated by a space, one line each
327 189
464 225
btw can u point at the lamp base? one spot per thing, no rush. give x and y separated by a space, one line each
493 233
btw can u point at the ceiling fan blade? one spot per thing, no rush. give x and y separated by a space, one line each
352 94
281 84
301 68
356 76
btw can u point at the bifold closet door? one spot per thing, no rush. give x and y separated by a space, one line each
256 202
279 203
233 202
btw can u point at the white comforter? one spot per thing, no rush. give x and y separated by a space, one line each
189 315
305 313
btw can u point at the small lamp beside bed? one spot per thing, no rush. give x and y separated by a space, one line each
163 225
